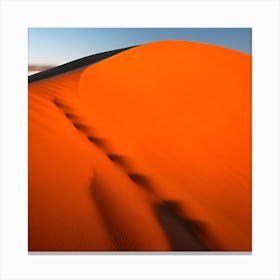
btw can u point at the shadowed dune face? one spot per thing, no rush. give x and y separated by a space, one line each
148 150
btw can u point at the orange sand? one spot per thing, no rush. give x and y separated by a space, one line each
177 113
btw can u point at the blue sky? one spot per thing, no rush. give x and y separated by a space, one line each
56 46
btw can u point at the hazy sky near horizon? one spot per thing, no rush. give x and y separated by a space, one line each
56 46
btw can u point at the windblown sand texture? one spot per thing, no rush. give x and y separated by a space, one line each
147 150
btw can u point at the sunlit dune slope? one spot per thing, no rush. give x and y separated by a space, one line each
148 150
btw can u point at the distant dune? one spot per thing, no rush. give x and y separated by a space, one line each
33 69
147 150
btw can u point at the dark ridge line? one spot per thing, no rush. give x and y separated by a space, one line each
81 62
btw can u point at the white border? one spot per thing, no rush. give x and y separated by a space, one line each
17 16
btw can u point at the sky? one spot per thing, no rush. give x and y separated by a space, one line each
56 46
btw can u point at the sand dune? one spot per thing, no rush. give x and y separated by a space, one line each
146 150
33 69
